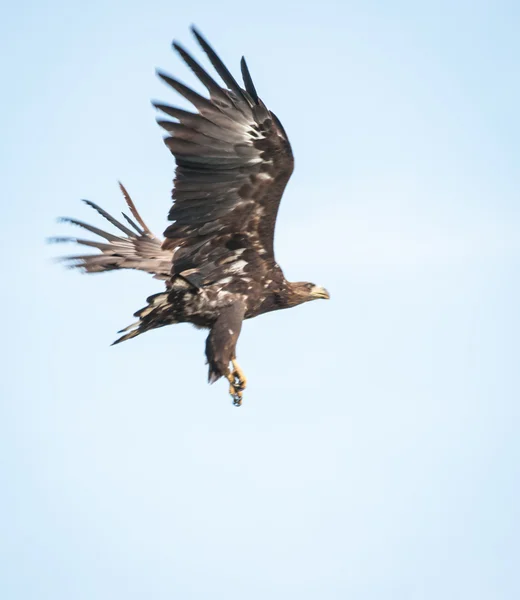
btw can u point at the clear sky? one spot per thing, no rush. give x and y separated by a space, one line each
377 452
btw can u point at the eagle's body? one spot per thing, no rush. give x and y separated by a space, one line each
217 259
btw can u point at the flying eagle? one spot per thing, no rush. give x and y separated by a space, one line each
233 161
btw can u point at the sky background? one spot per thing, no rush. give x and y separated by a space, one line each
377 452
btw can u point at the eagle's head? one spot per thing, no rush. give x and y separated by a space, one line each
303 291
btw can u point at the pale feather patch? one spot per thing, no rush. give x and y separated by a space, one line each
264 177
225 280
238 266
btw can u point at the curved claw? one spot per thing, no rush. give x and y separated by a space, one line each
239 385
236 393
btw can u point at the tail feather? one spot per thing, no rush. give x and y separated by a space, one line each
157 313
138 249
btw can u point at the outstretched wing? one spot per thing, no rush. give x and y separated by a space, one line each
137 248
233 163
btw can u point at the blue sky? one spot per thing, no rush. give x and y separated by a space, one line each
377 453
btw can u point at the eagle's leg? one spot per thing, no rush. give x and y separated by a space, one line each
221 349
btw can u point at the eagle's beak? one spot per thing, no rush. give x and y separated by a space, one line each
320 292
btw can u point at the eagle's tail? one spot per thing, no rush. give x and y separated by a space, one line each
137 249
157 313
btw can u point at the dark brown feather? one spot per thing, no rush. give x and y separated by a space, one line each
233 162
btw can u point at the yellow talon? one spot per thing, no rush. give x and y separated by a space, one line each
239 375
237 383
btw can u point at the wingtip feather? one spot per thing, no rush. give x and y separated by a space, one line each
248 81
133 209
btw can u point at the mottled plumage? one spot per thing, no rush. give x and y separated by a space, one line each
233 162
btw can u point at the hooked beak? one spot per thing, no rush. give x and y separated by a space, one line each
320 292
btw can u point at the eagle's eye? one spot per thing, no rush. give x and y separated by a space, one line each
309 286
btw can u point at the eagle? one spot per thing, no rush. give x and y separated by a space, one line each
233 161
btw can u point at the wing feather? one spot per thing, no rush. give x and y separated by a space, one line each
220 67
233 163
248 81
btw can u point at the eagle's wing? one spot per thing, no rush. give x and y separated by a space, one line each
233 163
133 248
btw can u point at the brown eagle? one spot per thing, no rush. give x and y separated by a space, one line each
233 162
